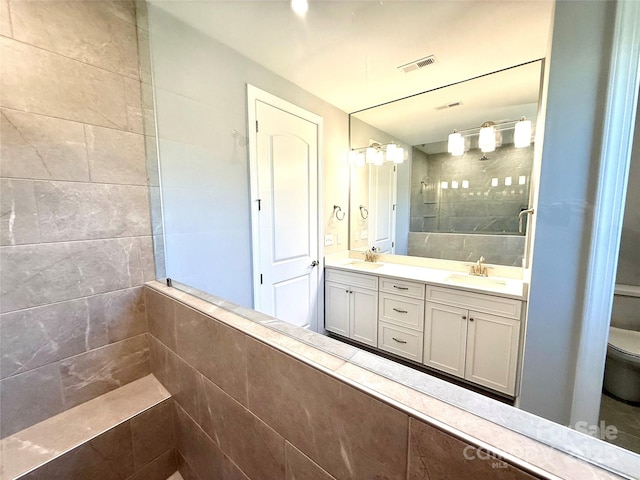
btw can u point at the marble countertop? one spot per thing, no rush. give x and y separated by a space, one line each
494 285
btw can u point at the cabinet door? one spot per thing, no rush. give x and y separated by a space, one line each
336 308
445 336
364 315
492 351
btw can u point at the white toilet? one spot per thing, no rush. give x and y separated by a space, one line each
622 370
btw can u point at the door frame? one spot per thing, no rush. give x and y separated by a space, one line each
255 94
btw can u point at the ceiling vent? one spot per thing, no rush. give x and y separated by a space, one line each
417 64
449 105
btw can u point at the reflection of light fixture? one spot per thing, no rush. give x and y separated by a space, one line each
299 7
487 137
522 133
376 154
456 144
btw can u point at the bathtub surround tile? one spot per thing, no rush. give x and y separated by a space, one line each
301 467
215 350
258 450
160 468
87 31
106 457
18 213
28 398
34 275
324 420
153 433
38 81
116 156
181 380
123 313
200 452
161 317
39 336
435 455
83 211
99 371
39 147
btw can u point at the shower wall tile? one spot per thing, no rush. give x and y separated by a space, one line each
147 259
28 398
152 433
39 147
18 213
257 448
37 81
435 455
301 467
101 370
121 313
80 211
160 468
38 336
161 317
5 19
215 350
92 32
116 156
35 275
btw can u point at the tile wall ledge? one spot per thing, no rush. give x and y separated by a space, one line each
531 443
32 447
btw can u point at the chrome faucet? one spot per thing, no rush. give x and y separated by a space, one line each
479 269
370 255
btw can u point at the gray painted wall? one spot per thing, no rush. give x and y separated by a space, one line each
578 71
200 103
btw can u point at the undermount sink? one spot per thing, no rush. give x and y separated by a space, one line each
487 282
364 265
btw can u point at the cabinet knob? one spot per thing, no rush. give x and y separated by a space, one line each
471 319
464 317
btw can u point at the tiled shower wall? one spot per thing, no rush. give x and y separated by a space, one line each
246 410
75 233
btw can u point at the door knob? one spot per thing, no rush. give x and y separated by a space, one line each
314 263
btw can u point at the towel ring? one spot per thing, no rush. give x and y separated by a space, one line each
364 213
337 211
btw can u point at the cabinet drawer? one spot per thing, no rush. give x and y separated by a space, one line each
354 279
400 341
403 311
402 287
485 303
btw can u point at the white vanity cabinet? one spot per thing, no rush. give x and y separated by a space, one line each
473 336
351 306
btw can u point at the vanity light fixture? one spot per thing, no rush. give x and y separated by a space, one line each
522 133
376 154
299 7
487 137
456 144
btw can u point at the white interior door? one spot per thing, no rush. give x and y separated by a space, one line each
285 212
382 198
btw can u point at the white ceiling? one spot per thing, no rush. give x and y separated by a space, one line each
347 52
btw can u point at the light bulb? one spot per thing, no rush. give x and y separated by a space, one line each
379 157
399 155
370 154
522 133
456 144
487 138
299 7
391 152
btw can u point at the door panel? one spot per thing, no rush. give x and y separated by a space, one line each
382 198
296 313
445 338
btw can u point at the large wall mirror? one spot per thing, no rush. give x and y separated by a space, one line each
447 200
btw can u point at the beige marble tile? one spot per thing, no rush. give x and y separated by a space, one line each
161 317
200 452
106 457
33 275
87 31
35 337
215 350
39 147
28 398
301 467
116 156
152 433
70 211
142 14
91 374
18 212
163 466
123 313
324 419
46 440
133 100
5 19
256 448
147 258
38 81
144 53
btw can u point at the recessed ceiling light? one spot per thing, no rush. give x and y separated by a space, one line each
300 7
